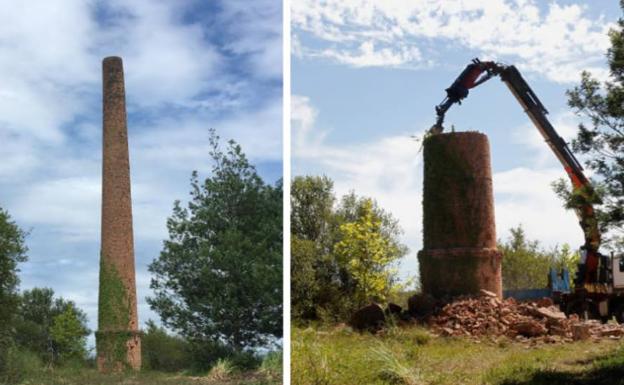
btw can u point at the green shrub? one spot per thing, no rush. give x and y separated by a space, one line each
245 360
164 352
19 364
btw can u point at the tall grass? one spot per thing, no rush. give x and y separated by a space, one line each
393 370
221 371
407 355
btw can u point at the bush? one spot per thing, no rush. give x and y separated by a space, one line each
164 352
245 360
54 328
19 364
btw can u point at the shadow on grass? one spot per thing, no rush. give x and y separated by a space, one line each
605 370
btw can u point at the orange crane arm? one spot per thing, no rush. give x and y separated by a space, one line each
478 72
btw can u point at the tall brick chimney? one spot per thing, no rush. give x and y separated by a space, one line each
117 339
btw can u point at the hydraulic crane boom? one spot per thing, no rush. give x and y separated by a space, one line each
478 72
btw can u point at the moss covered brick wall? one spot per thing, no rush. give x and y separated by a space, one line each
459 253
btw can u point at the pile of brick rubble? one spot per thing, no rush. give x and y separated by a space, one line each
486 315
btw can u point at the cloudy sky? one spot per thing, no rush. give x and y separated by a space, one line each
189 66
366 75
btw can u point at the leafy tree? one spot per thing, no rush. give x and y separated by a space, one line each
326 280
311 204
314 273
526 265
601 137
305 287
12 251
218 279
53 328
367 253
69 335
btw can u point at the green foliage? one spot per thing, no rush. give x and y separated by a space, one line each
113 302
69 335
526 264
341 255
366 253
12 251
20 363
31 371
601 137
53 329
218 279
311 209
164 352
113 317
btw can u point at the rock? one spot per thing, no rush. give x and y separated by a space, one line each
550 313
420 305
545 302
580 332
370 317
611 332
529 328
393 309
487 293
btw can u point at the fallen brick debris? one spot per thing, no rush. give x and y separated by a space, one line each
488 316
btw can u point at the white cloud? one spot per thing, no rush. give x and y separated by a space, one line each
566 125
525 196
368 56
70 205
257 28
165 60
389 169
44 64
557 43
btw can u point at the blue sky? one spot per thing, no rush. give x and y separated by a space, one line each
189 66
367 75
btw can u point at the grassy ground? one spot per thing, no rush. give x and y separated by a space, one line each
410 356
92 377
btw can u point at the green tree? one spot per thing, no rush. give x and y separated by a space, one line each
218 279
601 137
12 251
311 204
325 283
526 265
367 254
315 278
69 335
39 313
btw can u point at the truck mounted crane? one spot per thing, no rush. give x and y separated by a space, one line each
598 290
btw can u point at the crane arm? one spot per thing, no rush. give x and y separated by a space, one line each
478 72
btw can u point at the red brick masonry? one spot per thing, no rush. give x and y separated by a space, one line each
117 239
459 254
